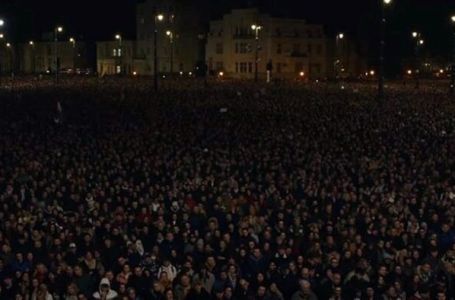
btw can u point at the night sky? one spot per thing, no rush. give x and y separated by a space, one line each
100 19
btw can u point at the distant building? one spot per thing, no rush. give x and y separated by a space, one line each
180 41
181 49
40 57
292 46
116 57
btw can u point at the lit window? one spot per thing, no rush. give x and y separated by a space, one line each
119 52
114 52
118 69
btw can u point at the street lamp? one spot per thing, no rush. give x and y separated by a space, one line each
157 18
73 43
256 29
452 71
338 61
9 46
2 22
57 30
418 44
384 4
32 45
171 41
1 37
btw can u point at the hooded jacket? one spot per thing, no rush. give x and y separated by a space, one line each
111 294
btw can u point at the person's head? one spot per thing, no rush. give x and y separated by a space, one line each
164 276
131 294
109 275
104 286
169 294
261 291
72 289
336 278
157 287
197 285
305 286
228 294
257 252
185 280
78 271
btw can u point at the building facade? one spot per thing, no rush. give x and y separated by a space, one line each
179 39
40 57
291 46
179 36
116 57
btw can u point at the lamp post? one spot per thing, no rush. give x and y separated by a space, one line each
157 18
2 23
170 34
32 45
1 38
338 61
73 44
418 43
57 30
452 69
256 29
9 47
384 4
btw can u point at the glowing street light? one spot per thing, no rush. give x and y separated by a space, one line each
419 43
31 43
8 45
170 34
157 18
301 74
221 73
372 72
72 41
57 30
409 72
2 22
338 65
452 77
2 36
385 3
256 29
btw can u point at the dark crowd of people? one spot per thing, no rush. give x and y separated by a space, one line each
230 191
